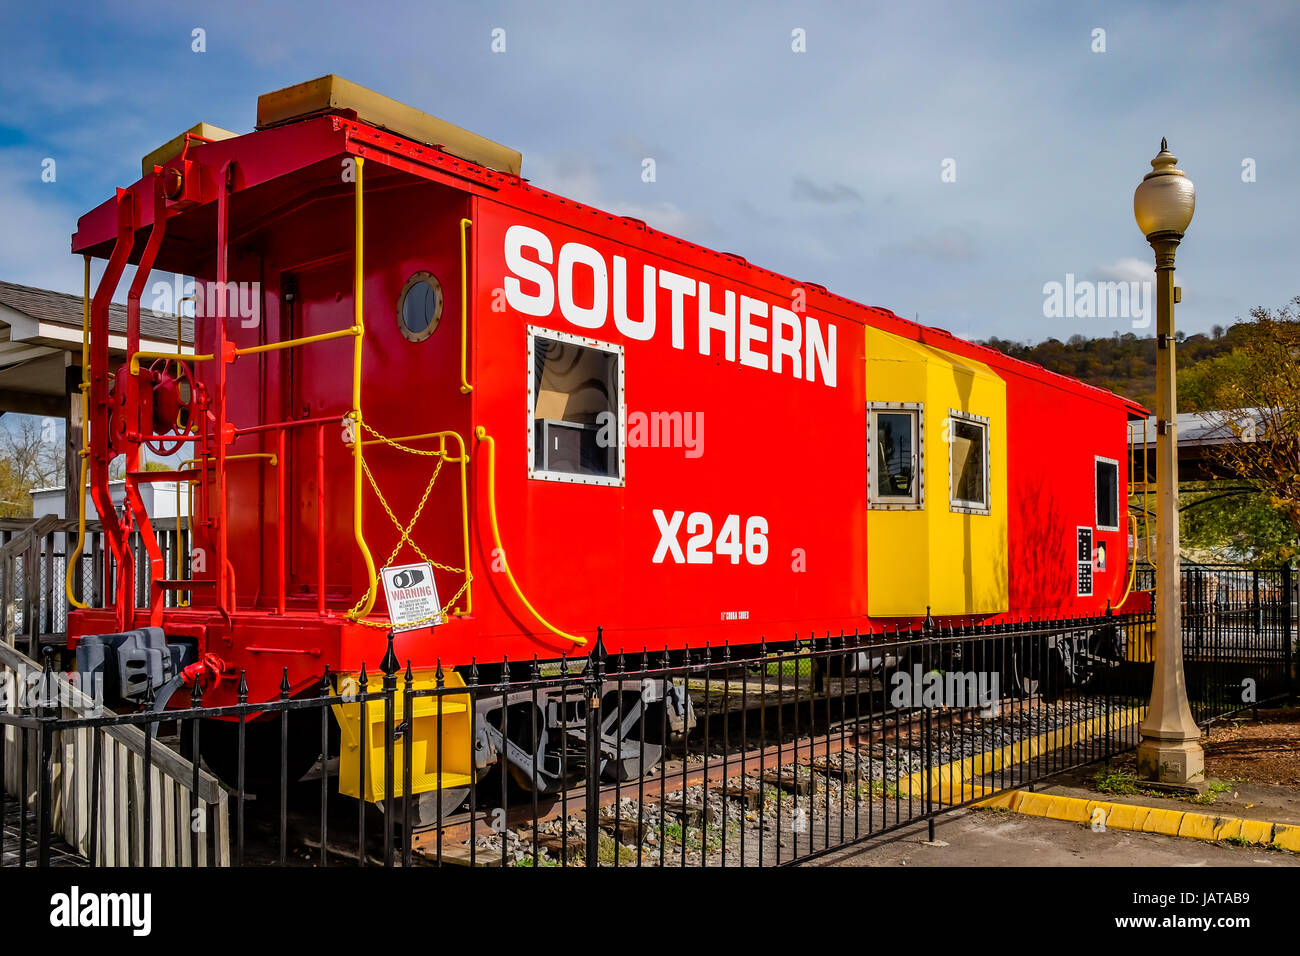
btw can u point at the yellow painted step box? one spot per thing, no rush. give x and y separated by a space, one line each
358 729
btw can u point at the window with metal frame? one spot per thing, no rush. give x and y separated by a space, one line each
968 463
895 456
575 393
1107 493
419 307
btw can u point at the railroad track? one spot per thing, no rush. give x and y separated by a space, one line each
904 730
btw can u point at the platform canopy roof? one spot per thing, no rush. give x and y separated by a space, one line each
1198 434
40 338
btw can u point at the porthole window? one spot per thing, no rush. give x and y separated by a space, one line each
419 307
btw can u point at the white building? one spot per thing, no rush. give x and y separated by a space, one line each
163 501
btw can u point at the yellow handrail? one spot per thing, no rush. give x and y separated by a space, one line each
465 386
75 559
464 521
1132 563
482 435
358 322
461 459
252 454
180 304
439 435
170 356
1132 461
305 340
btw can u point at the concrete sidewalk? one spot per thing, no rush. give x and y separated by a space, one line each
999 838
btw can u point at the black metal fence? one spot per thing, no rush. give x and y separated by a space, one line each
1234 620
766 755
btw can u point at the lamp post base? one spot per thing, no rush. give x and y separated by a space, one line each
1177 762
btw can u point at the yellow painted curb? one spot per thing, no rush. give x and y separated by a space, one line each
1287 837
1142 819
950 778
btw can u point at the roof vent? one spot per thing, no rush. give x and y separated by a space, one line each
333 94
203 132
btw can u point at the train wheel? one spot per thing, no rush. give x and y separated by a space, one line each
633 731
424 807
1019 677
529 751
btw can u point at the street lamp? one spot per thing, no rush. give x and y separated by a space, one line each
1170 751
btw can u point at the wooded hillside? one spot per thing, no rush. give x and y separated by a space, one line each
1126 363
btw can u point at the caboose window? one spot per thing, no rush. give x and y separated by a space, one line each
895 456
575 392
1107 494
419 307
968 463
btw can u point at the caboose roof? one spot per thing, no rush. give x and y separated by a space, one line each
305 125
334 94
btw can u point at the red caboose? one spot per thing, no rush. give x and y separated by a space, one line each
407 355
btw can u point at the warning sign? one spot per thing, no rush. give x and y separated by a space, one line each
412 596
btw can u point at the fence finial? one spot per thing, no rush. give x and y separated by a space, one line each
390 664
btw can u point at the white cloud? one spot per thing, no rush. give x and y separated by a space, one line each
575 177
1128 270
732 116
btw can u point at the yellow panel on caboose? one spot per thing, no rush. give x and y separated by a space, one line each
334 93
948 556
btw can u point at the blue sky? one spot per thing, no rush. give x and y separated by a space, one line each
825 164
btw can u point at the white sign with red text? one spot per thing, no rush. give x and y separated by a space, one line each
412 596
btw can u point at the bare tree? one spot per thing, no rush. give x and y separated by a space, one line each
31 456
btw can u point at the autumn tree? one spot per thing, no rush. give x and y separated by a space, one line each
1255 391
1233 526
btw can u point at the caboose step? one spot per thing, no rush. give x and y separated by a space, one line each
173 584
441 742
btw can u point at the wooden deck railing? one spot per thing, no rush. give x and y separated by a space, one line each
102 799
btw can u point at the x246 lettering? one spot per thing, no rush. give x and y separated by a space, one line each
701 546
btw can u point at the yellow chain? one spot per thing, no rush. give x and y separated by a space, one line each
431 619
399 446
405 531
